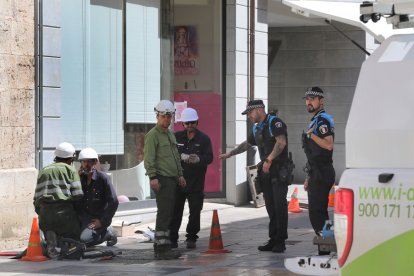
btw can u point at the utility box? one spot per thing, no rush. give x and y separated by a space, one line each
123 230
257 196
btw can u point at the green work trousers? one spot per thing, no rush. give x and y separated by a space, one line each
165 199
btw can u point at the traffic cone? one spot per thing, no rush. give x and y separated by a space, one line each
331 197
294 202
216 243
34 250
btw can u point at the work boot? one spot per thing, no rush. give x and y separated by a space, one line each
112 240
174 244
51 245
267 246
163 252
191 244
279 247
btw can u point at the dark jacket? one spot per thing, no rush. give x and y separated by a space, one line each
100 200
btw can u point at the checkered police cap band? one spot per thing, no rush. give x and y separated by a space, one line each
313 92
252 105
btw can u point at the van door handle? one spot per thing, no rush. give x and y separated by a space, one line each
385 177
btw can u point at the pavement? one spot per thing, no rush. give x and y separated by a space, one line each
242 228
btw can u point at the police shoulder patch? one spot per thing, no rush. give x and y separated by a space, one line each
323 129
278 124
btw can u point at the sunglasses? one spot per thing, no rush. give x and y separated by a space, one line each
190 123
90 161
166 114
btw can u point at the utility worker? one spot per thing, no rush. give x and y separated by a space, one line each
318 143
196 153
270 136
58 192
163 167
99 203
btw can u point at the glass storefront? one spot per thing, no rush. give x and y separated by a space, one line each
115 60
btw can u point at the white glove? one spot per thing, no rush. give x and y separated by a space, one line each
185 157
193 159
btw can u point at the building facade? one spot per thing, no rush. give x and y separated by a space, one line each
17 122
90 73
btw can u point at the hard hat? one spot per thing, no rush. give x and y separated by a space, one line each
88 153
189 114
65 150
164 107
122 198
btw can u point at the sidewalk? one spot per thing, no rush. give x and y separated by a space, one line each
243 229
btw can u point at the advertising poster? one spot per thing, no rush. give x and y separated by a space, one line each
186 60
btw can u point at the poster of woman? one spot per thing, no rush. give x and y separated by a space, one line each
185 50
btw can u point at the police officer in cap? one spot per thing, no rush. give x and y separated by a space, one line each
318 142
269 134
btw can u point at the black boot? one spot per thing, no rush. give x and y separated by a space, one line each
279 247
164 252
267 246
51 248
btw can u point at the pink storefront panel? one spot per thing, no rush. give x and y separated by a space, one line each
208 106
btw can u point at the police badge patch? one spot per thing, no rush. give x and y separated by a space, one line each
278 124
323 129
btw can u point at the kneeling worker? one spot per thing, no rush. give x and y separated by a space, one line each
58 192
99 203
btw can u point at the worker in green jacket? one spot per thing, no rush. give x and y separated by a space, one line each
163 167
58 191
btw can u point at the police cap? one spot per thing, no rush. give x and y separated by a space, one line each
314 92
252 105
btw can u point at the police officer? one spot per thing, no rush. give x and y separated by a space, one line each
163 166
318 142
270 136
196 153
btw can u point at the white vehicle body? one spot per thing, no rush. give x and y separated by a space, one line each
374 205
374 220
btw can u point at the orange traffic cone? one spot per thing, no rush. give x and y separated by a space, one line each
34 250
216 243
331 197
294 202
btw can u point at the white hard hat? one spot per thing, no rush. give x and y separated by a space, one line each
164 107
65 150
189 114
88 153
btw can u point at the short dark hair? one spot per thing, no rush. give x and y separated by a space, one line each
65 160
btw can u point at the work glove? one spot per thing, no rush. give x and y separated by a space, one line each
193 159
185 157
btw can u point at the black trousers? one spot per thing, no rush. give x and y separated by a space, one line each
195 204
274 194
60 218
321 179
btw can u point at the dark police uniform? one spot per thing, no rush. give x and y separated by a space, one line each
194 175
274 188
321 172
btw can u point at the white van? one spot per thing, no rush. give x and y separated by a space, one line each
374 205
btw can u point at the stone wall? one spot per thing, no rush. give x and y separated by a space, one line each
17 117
